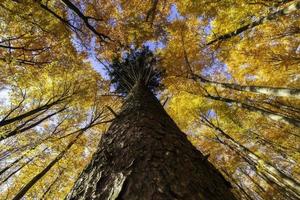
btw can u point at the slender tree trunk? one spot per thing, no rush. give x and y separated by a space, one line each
257 185
31 112
19 130
241 192
16 171
279 148
281 12
11 165
272 173
41 174
268 113
274 91
144 155
52 184
34 144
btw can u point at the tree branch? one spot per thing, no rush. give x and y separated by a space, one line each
284 11
85 19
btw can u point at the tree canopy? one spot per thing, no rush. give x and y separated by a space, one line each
229 71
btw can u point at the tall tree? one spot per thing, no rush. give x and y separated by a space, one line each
140 155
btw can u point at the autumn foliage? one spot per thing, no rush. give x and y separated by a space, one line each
231 82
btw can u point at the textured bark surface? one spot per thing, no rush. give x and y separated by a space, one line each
144 155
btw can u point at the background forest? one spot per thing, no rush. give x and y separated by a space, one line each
231 82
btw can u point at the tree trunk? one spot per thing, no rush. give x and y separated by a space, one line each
32 112
2 171
19 129
274 91
279 117
144 155
49 188
42 173
272 16
272 173
15 171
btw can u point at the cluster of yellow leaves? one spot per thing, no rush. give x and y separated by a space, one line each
266 55
39 64
41 56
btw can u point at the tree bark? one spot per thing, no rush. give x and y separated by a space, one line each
144 155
